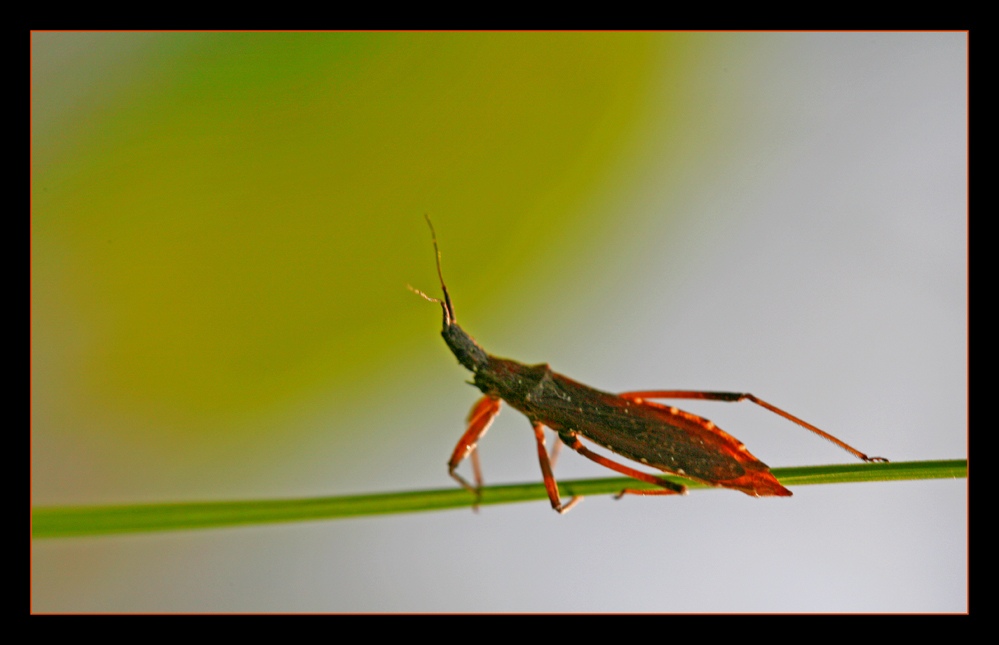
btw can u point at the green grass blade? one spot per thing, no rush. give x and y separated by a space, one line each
134 518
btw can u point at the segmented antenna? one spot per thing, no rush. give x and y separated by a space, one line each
446 302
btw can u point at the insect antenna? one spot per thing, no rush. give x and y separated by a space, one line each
445 304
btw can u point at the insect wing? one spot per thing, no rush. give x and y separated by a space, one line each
663 437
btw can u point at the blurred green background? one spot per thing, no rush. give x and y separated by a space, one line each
224 224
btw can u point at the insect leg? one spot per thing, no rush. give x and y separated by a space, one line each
476 467
479 419
556 449
668 487
642 491
551 486
734 397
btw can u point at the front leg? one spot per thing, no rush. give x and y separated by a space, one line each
479 420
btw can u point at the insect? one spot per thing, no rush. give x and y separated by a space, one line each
627 424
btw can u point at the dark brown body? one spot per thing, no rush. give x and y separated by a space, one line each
627 424
665 438
662 437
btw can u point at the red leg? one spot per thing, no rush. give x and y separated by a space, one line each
556 449
734 397
551 486
644 491
476 467
479 419
668 487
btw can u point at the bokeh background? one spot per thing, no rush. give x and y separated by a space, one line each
223 226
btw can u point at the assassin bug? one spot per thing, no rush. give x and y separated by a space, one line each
627 424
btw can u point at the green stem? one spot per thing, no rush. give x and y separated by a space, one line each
105 520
